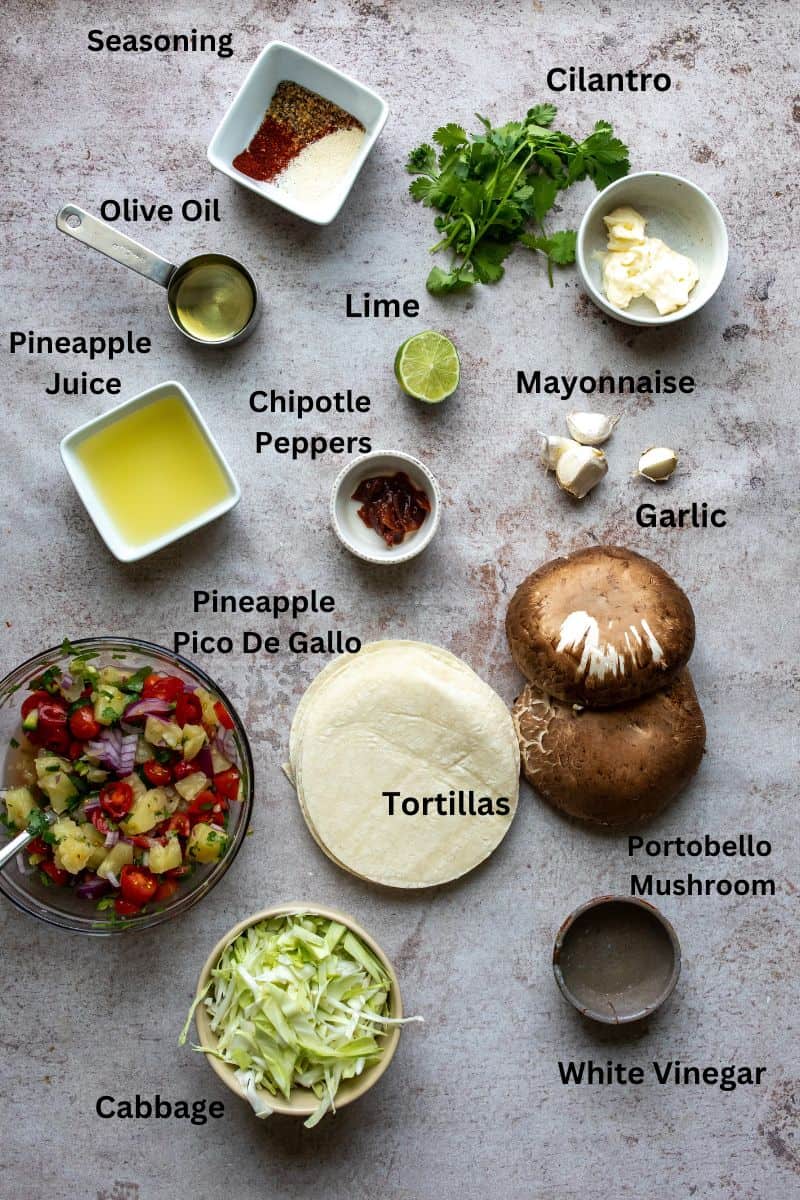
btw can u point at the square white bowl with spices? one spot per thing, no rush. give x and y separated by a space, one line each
279 62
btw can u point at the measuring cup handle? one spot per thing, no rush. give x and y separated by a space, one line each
100 236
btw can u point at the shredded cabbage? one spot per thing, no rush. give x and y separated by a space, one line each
296 1001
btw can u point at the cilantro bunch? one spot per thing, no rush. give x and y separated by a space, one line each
494 189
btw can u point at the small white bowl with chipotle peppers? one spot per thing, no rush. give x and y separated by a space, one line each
298 132
385 506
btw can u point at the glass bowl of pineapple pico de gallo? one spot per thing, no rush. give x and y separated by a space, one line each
133 771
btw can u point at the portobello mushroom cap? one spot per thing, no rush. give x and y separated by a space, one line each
600 627
611 766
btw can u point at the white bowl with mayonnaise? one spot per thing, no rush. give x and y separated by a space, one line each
652 249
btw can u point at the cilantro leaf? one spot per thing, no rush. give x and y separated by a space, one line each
421 187
605 158
422 160
545 189
38 823
135 682
487 259
561 246
440 282
542 114
450 137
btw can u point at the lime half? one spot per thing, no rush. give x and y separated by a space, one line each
427 367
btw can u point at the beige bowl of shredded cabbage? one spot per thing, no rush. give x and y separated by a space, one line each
298 1011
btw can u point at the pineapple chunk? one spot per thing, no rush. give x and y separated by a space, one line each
207 702
148 809
206 843
97 855
72 854
194 738
53 778
218 761
88 833
164 858
20 803
135 784
163 733
110 703
65 828
113 675
192 785
113 862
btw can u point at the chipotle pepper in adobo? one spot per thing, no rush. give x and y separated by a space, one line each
392 506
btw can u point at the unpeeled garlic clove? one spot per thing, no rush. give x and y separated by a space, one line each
657 464
580 468
590 428
552 449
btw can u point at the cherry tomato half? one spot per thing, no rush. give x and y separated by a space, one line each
99 821
37 846
181 769
125 908
188 710
179 823
202 804
223 716
34 700
165 891
162 687
82 723
157 773
143 840
51 731
117 799
179 872
55 873
137 884
227 783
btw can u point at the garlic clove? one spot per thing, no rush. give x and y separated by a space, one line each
590 428
552 449
579 469
657 464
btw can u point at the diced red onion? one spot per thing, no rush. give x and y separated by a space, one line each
115 750
24 867
112 879
66 680
127 753
106 747
92 887
202 761
151 707
90 806
225 742
112 837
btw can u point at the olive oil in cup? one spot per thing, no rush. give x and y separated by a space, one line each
212 299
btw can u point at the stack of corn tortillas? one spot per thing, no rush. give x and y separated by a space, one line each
410 718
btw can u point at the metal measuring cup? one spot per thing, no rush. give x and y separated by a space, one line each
108 240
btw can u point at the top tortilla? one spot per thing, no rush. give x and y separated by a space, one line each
407 717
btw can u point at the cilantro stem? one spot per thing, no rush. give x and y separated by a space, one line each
487 226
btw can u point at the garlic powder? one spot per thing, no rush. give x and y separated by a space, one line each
321 167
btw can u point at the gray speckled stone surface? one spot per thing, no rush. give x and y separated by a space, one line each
473 1105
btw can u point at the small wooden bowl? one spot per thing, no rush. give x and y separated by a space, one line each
302 1102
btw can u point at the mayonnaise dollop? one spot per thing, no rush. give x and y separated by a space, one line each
637 265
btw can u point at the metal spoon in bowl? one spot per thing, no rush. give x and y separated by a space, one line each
23 839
